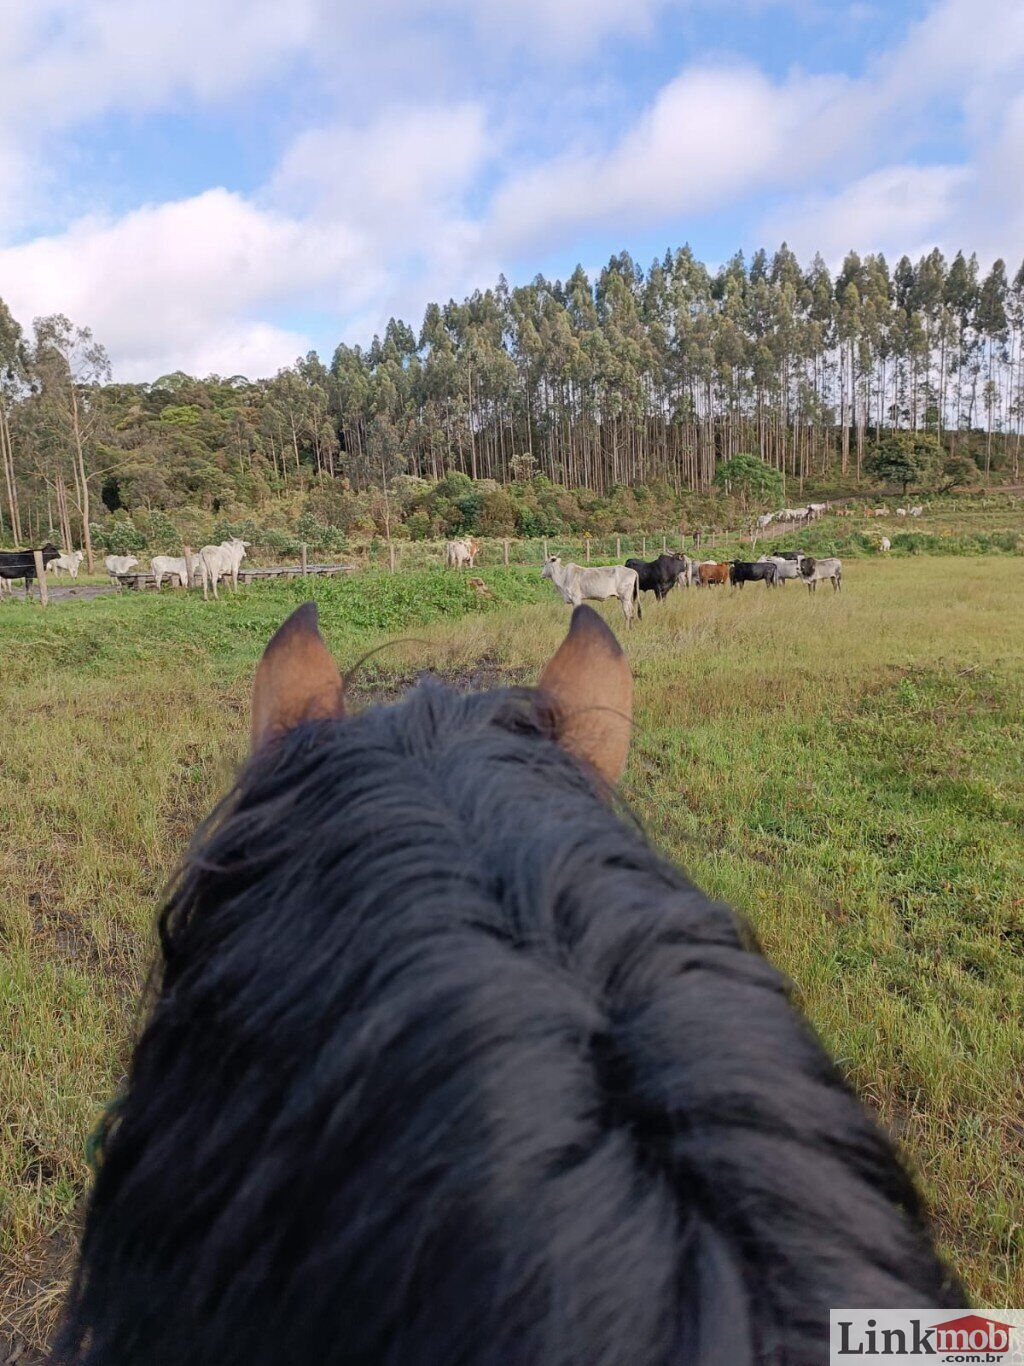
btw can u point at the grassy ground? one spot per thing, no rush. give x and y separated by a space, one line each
848 770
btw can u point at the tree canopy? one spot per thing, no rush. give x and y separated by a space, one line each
661 376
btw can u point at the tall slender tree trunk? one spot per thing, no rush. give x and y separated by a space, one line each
10 479
76 426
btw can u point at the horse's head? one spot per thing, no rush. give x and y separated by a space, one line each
447 1064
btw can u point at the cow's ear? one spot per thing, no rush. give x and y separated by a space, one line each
297 680
589 682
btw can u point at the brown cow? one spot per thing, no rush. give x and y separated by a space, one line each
712 573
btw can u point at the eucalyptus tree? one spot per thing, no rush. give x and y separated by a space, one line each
69 366
993 326
13 386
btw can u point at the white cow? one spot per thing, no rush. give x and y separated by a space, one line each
885 545
901 512
575 583
812 571
880 512
916 512
784 569
69 564
120 564
764 520
221 562
816 509
461 554
171 567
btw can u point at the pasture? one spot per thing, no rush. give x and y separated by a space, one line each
847 770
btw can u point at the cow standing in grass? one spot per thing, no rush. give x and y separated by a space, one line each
21 564
173 567
116 565
744 571
221 562
575 583
660 576
67 564
812 571
461 554
784 568
710 573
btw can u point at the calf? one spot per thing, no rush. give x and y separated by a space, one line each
813 571
743 571
711 573
661 575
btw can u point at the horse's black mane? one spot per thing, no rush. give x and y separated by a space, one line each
447 1066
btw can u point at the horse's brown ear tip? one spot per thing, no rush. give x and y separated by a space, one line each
304 620
586 622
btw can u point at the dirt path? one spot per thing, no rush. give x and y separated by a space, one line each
82 592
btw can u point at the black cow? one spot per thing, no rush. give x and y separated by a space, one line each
20 564
659 576
742 571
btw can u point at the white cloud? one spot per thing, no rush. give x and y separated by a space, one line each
408 161
169 285
894 210
65 61
709 137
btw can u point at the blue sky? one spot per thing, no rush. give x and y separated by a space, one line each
219 185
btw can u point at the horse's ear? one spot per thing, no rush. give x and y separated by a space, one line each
297 680
589 681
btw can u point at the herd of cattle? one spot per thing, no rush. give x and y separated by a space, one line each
813 511
575 583
205 570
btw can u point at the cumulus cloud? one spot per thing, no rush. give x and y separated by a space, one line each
158 284
64 61
709 137
894 210
409 161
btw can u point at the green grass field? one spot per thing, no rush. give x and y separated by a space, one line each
847 770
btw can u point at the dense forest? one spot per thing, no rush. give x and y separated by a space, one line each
640 380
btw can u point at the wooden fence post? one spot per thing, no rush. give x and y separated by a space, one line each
618 547
587 542
44 595
391 555
682 541
504 552
643 550
664 544
545 547
304 559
